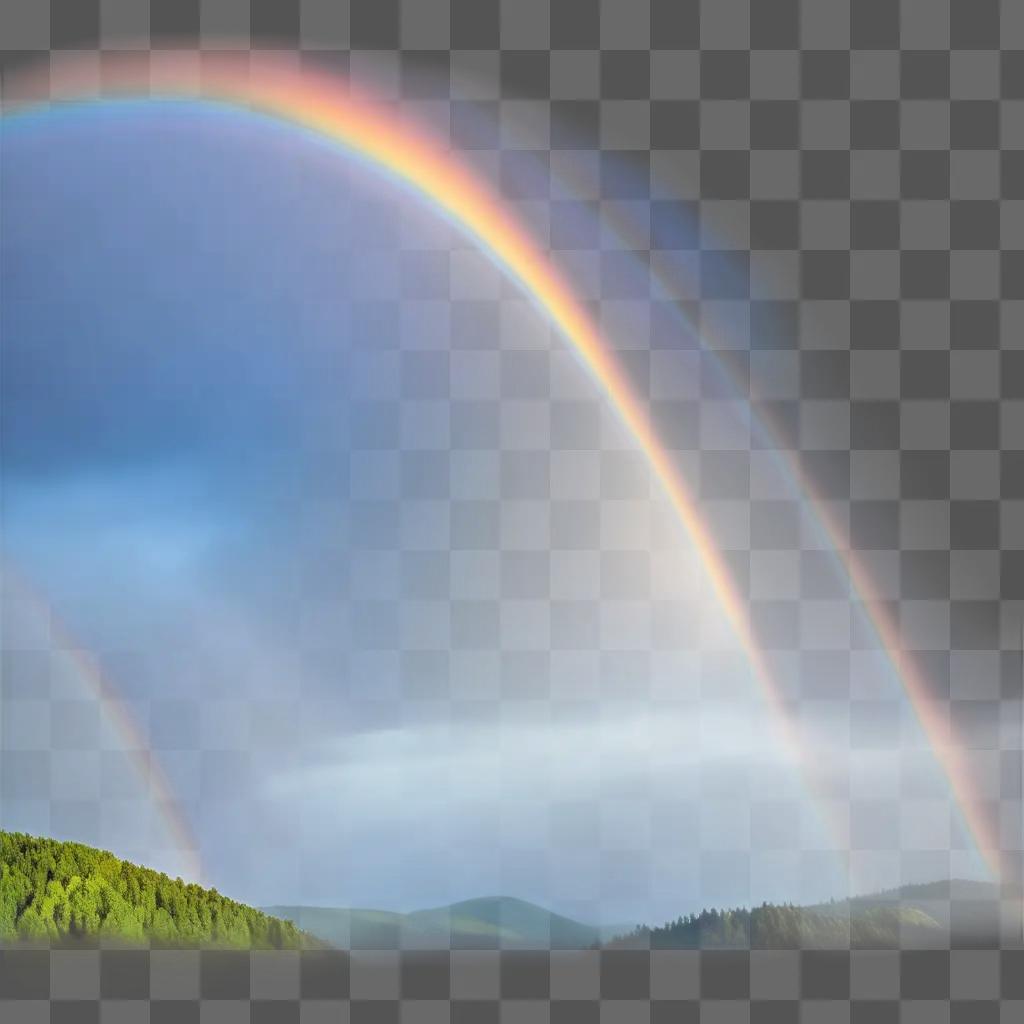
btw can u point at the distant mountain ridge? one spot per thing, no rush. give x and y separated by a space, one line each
491 922
936 914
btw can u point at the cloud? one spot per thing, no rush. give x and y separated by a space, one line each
531 759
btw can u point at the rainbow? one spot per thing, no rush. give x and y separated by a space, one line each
133 740
948 751
322 106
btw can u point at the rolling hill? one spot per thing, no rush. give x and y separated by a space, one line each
496 922
59 892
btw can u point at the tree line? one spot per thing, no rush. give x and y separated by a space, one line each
785 926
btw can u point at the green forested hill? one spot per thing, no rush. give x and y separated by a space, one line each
56 891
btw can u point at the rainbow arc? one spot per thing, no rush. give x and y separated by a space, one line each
321 105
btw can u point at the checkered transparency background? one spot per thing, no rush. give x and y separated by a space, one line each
833 194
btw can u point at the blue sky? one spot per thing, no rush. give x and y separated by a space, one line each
403 611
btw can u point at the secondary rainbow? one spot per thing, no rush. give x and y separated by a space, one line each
378 135
134 743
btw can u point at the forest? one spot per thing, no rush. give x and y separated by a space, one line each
57 892
773 926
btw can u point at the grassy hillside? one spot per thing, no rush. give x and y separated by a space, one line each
495 922
56 892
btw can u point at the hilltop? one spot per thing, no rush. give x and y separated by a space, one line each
52 891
